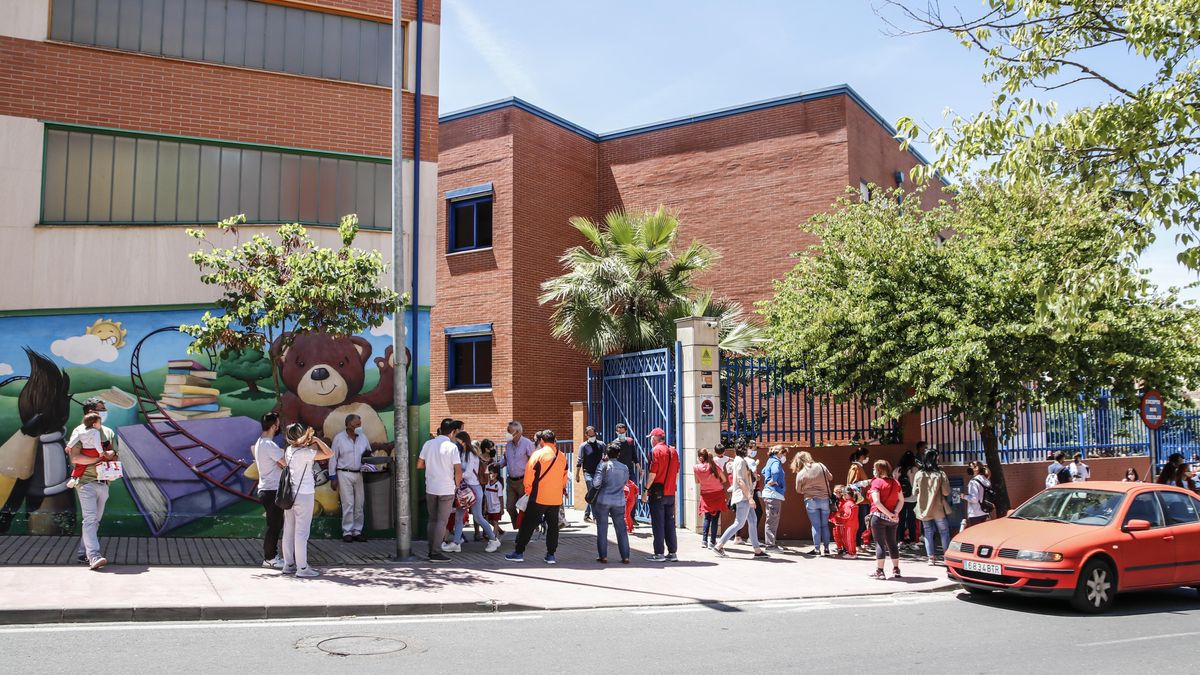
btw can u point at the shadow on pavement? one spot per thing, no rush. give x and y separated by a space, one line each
1127 604
123 569
412 578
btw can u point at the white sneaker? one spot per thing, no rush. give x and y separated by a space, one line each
288 569
307 572
99 562
452 548
493 545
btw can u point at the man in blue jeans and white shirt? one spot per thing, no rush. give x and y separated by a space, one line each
664 476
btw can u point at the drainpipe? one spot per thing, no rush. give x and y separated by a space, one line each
416 202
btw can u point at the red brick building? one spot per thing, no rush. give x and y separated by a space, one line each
511 175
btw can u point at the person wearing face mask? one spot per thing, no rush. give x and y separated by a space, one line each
94 494
517 451
345 476
751 459
591 453
629 452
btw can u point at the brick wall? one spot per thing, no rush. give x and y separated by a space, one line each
84 85
875 156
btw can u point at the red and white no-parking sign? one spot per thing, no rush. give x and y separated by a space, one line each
1153 410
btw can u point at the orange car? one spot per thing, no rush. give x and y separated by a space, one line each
1084 542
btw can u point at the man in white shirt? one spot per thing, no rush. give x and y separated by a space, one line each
443 472
345 474
93 494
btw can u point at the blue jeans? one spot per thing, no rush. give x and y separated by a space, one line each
744 514
818 515
712 528
587 512
943 529
662 522
476 513
617 514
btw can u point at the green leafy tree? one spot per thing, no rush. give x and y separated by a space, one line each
623 290
281 287
903 309
247 365
1141 139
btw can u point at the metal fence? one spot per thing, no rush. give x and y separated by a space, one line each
1100 429
758 402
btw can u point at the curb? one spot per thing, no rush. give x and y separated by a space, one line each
248 612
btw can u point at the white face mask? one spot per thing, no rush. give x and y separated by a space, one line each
508 437
752 454
620 435
103 415
591 439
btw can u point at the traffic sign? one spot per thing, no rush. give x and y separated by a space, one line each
1153 410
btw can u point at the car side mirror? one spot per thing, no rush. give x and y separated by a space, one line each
1136 525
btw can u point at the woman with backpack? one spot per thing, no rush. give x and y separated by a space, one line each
813 481
741 489
304 449
931 489
904 474
979 507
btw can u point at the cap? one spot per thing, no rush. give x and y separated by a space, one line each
657 431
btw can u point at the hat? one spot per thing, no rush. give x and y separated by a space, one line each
657 431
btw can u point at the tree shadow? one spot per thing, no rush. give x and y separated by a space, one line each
411 577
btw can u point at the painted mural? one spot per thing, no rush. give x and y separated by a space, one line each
186 423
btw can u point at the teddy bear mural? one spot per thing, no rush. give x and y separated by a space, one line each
324 376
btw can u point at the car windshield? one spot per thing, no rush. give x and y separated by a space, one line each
1078 507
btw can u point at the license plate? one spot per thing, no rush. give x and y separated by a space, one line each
986 568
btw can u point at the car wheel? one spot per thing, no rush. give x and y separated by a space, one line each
1097 588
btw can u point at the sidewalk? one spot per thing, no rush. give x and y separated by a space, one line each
473 582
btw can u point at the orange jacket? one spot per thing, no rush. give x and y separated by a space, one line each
551 465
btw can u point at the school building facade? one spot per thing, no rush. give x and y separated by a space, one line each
511 175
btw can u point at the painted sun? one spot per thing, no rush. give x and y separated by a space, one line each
108 331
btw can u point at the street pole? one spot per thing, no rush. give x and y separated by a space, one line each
399 383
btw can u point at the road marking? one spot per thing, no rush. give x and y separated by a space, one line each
1140 639
266 623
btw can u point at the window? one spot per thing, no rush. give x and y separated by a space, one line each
233 32
1145 507
864 190
470 223
470 361
104 177
1180 509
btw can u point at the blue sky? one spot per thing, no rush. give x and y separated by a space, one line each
622 63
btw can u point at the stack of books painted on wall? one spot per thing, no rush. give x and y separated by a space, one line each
189 393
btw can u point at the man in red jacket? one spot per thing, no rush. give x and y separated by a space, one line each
661 485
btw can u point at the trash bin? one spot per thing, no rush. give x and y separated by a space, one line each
958 503
377 487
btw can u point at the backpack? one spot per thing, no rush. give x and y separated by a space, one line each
1064 474
905 484
988 502
1051 480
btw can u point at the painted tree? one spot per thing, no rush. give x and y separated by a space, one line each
282 287
903 309
623 290
248 365
1139 141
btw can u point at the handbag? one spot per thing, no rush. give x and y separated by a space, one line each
658 490
285 496
108 471
833 502
592 491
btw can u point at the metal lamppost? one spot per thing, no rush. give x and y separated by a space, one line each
399 384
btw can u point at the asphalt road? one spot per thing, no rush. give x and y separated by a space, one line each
920 632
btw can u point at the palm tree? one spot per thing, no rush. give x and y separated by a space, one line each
623 290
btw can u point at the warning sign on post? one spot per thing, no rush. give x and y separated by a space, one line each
706 357
708 409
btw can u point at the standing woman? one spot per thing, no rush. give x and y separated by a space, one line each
905 474
304 449
813 481
268 459
857 474
975 492
887 500
774 489
741 489
710 483
931 488
609 481
469 456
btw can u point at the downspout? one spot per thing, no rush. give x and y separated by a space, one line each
414 303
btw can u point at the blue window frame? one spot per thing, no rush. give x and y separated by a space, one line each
470 223
469 361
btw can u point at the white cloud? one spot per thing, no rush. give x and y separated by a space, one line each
5 369
84 349
383 329
498 55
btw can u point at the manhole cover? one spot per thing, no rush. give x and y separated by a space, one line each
360 645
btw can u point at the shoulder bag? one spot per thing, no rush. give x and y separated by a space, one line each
833 502
658 490
592 490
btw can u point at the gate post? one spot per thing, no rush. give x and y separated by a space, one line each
701 400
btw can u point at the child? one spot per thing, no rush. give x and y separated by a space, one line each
493 499
90 442
631 496
845 521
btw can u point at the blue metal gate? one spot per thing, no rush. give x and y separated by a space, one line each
640 390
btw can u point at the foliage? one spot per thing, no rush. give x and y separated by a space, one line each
279 288
248 365
1135 143
625 289
888 311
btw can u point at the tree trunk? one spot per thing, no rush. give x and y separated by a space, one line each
252 385
991 451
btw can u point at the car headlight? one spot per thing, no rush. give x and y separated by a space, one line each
1039 556
956 545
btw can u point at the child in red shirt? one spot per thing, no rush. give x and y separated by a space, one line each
90 443
631 495
845 522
